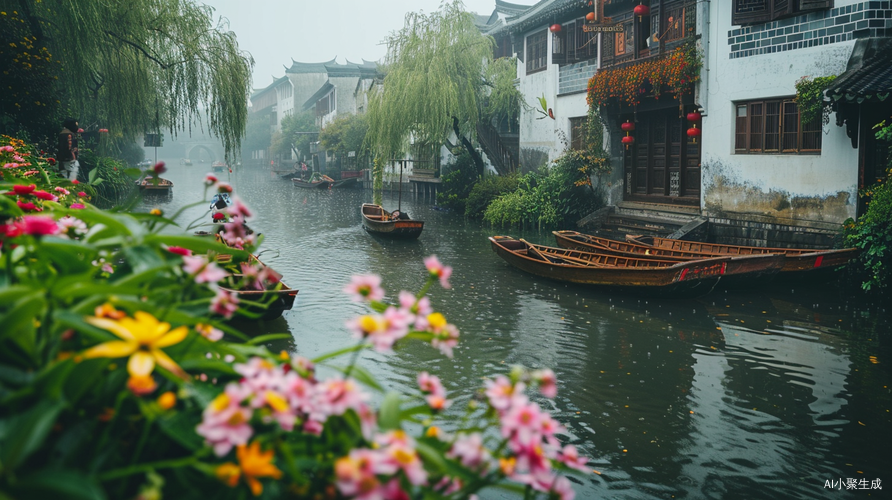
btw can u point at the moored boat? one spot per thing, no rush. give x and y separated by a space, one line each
396 224
276 296
349 182
742 271
640 276
317 184
800 263
218 166
148 184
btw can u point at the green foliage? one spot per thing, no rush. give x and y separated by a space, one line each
435 66
297 134
130 67
108 177
458 178
257 134
504 99
120 376
346 133
549 197
378 180
810 98
872 232
488 189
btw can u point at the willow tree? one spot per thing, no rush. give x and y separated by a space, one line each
135 67
436 83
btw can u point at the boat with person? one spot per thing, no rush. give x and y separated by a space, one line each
315 181
799 264
626 274
742 271
396 224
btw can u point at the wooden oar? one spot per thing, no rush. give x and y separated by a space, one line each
550 257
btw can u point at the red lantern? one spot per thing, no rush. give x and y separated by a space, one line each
694 116
555 28
641 10
628 126
590 16
694 132
628 140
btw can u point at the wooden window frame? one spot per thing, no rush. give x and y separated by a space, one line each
573 45
774 9
577 132
537 52
774 126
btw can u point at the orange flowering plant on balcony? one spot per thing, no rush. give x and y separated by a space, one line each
677 72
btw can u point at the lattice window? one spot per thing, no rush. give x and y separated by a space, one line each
775 127
537 52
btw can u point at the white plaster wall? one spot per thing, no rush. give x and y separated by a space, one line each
768 76
537 132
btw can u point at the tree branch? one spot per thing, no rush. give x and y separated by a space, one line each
137 47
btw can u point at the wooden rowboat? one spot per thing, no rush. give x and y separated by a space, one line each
800 263
376 220
320 184
277 296
742 271
349 182
640 276
148 185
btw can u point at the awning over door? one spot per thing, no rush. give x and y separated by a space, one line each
866 81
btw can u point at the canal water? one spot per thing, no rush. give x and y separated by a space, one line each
779 393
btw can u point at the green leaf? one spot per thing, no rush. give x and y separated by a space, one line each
431 456
339 352
389 414
24 433
180 426
54 484
266 338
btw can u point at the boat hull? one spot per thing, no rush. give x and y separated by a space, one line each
801 264
742 271
310 185
682 279
375 220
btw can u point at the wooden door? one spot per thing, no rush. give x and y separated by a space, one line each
663 166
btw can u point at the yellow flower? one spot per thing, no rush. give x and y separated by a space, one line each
142 338
253 464
167 400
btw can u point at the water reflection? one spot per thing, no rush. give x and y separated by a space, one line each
759 395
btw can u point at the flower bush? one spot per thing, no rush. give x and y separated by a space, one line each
677 72
120 377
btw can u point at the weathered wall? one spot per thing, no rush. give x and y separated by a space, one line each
537 135
787 187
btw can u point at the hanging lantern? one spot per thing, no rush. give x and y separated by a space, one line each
627 127
694 116
555 28
641 10
590 16
694 133
628 140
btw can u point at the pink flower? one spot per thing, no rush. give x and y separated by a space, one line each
71 227
437 402
225 423
336 396
438 270
60 189
570 457
82 194
10 165
407 459
180 251
501 391
209 332
37 225
382 329
6 149
238 209
547 382
470 450
563 488
159 168
521 423
419 308
204 271
22 189
365 287
224 304
430 384
356 474
77 206
107 268
253 276
29 206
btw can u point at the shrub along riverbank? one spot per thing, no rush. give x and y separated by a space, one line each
122 377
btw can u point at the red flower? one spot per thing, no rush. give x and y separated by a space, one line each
159 168
38 225
78 205
180 251
52 161
75 181
28 207
43 195
82 194
219 216
22 189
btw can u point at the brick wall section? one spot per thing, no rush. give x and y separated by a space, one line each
574 77
748 230
860 20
